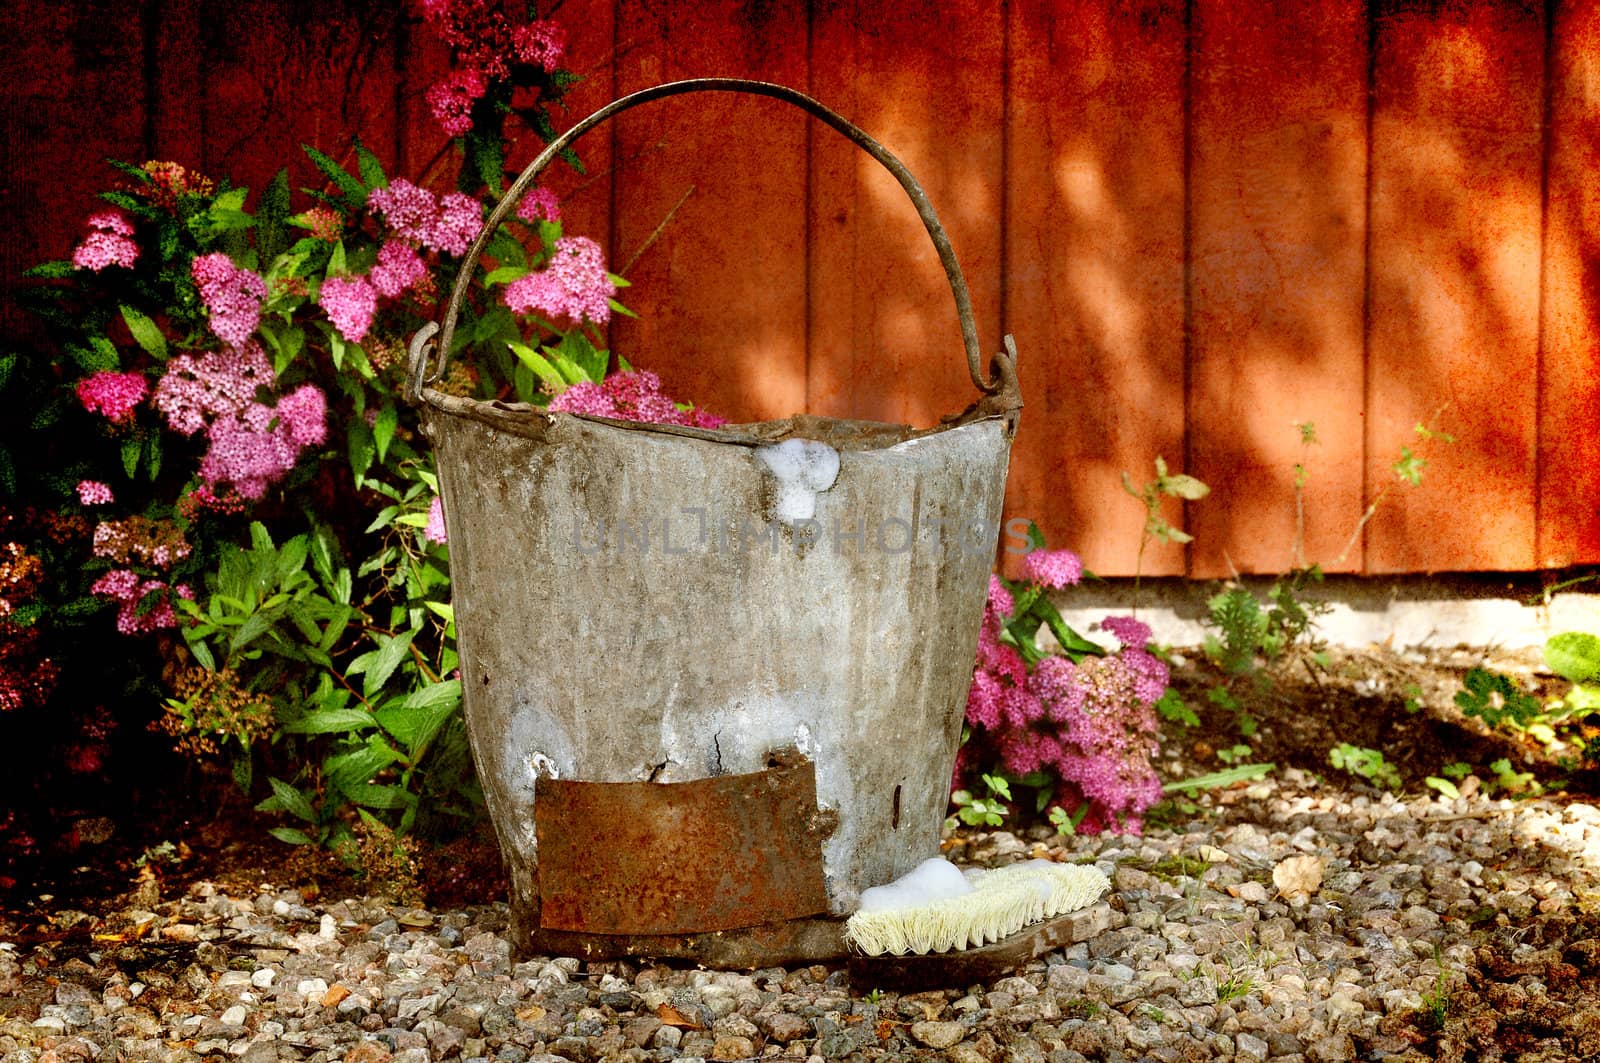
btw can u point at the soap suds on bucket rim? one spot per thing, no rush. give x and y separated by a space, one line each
802 468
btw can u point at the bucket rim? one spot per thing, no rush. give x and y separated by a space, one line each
843 434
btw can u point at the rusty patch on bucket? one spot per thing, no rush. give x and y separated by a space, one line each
680 858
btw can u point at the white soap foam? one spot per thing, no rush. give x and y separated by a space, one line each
802 468
935 879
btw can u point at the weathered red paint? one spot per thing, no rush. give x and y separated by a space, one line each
1569 383
1052 134
725 278
1094 269
1454 260
1277 200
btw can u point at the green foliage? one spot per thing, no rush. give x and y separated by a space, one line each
1174 709
1367 763
1496 699
988 811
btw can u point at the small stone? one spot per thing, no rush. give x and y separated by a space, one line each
783 1026
669 1037
1338 1048
939 1034
728 1047
234 1016
1248 1046
368 1052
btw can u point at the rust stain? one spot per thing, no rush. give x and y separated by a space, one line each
680 858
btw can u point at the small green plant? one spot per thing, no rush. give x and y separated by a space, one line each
1080 1009
1436 1003
1508 780
1066 823
1495 698
1236 985
1151 493
1236 754
988 811
874 997
1413 694
1174 709
1458 770
1367 763
1444 786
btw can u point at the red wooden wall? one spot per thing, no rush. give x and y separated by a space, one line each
1205 221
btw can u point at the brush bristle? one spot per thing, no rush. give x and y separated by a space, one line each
1001 903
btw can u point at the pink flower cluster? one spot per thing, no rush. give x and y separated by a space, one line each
94 493
110 243
131 589
398 268
631 397
539 204
262 443
447 225
251 444
574 286
487 43
435 531
1091 724
196 391
451 100
349 303
232 295
111 394
1054 569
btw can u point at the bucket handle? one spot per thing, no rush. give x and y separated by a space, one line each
422 374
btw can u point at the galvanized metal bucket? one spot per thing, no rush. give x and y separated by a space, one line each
703 723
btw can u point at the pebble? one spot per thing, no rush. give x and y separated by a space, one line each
1193 958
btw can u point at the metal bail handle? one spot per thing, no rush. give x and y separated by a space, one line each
422 374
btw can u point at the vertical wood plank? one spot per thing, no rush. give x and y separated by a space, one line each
1278 227
926 81
1569 386
74 96
1094 268
279 75
721 289
177 90
1454 305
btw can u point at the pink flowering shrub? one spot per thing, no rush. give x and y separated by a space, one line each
218 478
1082 725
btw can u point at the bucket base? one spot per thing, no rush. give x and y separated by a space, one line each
789 943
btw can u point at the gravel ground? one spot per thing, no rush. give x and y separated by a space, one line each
1463 929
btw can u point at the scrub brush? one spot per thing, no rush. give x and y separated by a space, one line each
936 908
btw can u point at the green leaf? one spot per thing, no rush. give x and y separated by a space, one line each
290 835
145 332
355 194
419 715
362 448
1574 656
271 214
370 168
131 448
97 356
7 364
357 768
1185 487
292 800
1237 773
486 159
152 455
505 275
537 362
379 796
51 270
1071 641
331 721
391 651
